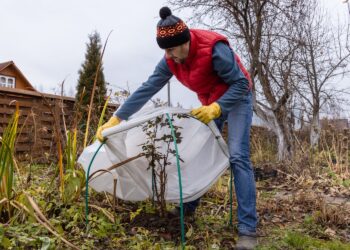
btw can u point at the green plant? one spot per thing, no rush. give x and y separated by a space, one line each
71 149
301 241
346 183
7 160
101 120
159 159
73 177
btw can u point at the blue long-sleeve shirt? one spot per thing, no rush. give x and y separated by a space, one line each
224 65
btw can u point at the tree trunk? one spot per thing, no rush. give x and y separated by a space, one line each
315 129
284 138
278 123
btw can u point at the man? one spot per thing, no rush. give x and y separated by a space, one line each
204 62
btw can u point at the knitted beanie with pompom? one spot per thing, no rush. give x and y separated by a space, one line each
171 30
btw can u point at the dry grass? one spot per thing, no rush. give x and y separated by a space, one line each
331 155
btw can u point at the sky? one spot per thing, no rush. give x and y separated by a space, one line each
47 41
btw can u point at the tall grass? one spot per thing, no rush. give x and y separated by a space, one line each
71 149
73 177
7 161
58 139
101 120
335 147
331 155
263 146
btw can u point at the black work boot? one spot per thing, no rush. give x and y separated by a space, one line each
175 212
246 242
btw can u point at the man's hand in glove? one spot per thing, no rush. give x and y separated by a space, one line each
207 113
113 121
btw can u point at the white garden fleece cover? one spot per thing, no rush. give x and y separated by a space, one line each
202 149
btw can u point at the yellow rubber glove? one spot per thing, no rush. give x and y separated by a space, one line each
113 121
207 113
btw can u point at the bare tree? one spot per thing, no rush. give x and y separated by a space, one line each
323 57
348 4
263 32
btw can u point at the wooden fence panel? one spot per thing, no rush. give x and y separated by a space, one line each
36 136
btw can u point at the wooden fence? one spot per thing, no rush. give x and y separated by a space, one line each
38 112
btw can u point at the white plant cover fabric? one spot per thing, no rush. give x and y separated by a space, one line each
202 149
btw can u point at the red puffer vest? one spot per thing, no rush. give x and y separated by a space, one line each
197 72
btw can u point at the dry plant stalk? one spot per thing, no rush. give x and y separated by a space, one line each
104 211
58 141
335 147
62 109
103 171
113 167
93 92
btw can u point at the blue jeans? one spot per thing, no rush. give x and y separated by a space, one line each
239 120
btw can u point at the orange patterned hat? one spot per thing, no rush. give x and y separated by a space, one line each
171 30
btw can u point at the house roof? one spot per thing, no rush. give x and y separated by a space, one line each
34 93
4 65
